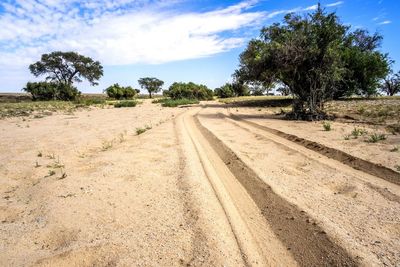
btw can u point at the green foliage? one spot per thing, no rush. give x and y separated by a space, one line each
90 101
140 130
225 91
178 102
51 91
125 103
151 84
119 92
313 57
67 68
375 137
327 126
391 84
180 90
358 132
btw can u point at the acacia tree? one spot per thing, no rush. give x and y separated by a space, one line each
67 68
306 55
152 85
391 84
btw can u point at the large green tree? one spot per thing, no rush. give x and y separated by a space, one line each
151 84
308 55
67 68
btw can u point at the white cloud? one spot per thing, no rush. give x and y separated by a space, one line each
118 32
335 4
384 22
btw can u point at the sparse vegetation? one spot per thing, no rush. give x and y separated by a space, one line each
376 137
140 131
191 91
358 132
394 149
51 173
125 104
106 145
167 102
119 92
327 126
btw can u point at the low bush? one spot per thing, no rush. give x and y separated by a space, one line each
178 102
189 91
51 91
125 104
119 92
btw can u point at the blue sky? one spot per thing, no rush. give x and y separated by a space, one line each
173 40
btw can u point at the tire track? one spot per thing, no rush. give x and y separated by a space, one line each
307 242
338 155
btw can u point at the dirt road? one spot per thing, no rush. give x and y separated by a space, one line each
197 188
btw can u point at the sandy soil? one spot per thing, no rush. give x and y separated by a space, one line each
196 189
375 152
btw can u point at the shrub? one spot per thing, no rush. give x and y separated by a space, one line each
178 102
375 137
189 91
125 104
224 91
140 131
358 132
327 126
119 92
51 91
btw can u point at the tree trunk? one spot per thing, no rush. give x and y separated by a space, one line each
150 94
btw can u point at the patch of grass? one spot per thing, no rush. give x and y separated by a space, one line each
39 154
347 137
51 173
358 132
90 101
63 174
51 156
37 164
376 137
140 130
167 102
125 103
327 126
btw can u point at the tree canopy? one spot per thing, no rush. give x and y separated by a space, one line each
67 68
315 57
120 92
151 84
190 90
391 84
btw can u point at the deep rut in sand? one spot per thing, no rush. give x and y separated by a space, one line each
341 156
303 240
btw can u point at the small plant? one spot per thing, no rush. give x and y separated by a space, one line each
327 126
37 164
358 132
51 172
40 154
140 131
347 137
107 145
375 137
148 127
63 174
51 156
395 149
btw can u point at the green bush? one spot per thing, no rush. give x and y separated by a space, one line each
224 91
119 92
189 91
51 91
375 137
327 126
125 104
167 102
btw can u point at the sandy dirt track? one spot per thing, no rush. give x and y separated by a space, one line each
197 189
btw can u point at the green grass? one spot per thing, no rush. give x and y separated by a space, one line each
125 103
167 102
375 137
327 126
140 130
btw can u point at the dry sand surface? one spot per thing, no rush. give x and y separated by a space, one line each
198 188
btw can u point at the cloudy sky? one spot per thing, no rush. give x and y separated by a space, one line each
174 40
